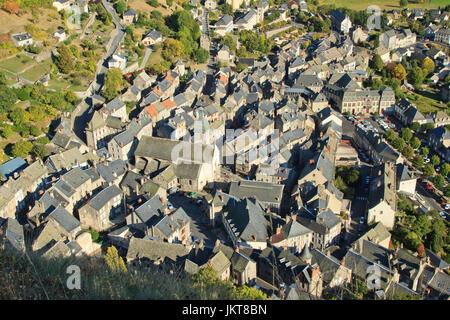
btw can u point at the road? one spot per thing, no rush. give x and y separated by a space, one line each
359 204
81 114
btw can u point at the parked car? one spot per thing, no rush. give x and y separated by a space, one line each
442 214
361 220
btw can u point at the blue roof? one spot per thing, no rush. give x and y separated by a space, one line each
12 166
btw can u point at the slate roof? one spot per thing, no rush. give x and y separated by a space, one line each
247 217
263 191
65 219
155 250
101 198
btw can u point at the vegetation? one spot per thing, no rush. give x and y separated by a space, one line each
113 83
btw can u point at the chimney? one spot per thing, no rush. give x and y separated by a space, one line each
294 217
343 262
236 249
162 200
121 144
311 162
217 242
285 248
278 230
171 227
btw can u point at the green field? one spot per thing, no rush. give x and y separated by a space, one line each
36 72
383 4
17 64
427 102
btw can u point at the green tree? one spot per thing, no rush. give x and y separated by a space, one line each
113 261
415 143
428 170
113 82
7 131
439 180
403 3
121 6
201 55
390 135
399 72
377 62
447 190
406 134
21 148
40 151
422 226
428 126
7 98
435 160
415 126
424 151
408 152
398 144
445 169
249 293
226 8
64 59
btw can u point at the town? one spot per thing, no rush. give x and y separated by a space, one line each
297 149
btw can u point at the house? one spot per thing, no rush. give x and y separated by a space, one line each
291 235
407 113
224 25
11 235
359 35
439 141
101 128
382 203
133 93
152 37
393 39
245 223
61 4
210 4
325 225
117 61
335 273
340 21
406 180
247 21
430 32
116 108
143 80
147 252
12 167
268 194
201 257
443 36
129 16
103 210
60 35
123 145
22 39
224 54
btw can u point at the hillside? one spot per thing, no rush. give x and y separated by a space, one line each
37 279
384 4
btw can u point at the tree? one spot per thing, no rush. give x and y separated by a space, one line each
428 126
406 134
41 151
403 3
424 151
428 170
399 72
113 81
114 262
7 98
439 181
249 293
415 126
422 226
11 7
200 55
172 49
447 190
377 62
398 144
226 8
64 60
7 131
416 77
390 135
121 7
445 169
415 143
241 66
408 152
21 148
435 160
428 65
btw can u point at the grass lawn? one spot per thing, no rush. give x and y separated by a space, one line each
79 88
427 102
36 72
383 4
17 64
57 84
